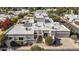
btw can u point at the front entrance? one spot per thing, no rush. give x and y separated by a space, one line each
39 39
45 34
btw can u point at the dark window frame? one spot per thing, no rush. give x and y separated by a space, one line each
20 38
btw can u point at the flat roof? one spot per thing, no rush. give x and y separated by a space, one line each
30 20
39 16
45 14
38 26
63 28
58 27
42 26
48 26
20 29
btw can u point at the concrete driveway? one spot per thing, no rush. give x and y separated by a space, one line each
67 44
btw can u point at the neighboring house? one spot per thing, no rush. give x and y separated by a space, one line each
72 23
71 17
31 31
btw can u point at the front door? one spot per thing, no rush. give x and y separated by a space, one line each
39 40
45 34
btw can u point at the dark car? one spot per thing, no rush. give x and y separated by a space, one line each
57 42
28 43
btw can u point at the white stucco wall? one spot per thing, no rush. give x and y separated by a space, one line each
61 33
25 37
40 19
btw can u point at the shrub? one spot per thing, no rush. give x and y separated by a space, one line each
13 44
36 48
48 40
19 42
14 20
55 17
21 15
35 21
74 36
72 32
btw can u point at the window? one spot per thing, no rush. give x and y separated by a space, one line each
45 34
10 37
23 22
28 37
47 21
15 38
20 38
35 36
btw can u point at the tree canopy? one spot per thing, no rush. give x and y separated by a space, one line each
48 40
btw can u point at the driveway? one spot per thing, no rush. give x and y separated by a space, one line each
67 44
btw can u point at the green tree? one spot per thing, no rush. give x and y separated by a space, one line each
14 20
54 17
21 15
48 40
36 48
19 42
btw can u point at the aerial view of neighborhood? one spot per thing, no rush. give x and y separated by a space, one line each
39 28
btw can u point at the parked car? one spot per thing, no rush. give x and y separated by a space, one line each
57 42
28 43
